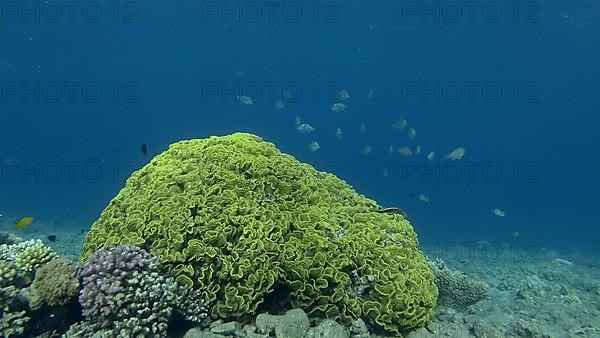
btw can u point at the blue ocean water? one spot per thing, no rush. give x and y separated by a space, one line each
515 84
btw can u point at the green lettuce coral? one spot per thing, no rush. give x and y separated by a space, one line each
250 226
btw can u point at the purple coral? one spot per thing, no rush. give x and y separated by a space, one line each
124 294
107 276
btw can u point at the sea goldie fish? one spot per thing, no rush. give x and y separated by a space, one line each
498 212
24 222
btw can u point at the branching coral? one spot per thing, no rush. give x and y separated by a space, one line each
28 255
18 262
13 316
123 294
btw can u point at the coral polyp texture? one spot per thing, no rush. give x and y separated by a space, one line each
252 228
457 290
55 283
18 265
28 255
123 294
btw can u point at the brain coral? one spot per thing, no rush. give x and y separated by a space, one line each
250 226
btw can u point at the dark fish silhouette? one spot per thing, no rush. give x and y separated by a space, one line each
144 149
393 211
52 238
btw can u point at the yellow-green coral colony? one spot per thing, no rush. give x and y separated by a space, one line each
235 218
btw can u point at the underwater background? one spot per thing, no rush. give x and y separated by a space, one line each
476 121
515 84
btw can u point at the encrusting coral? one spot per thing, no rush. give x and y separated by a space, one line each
245 224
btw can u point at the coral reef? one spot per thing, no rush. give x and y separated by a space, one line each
8 273
55 283
13 317
18 262
456 289
249 226
12 323
123 294
28 255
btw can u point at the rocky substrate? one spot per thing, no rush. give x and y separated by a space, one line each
541 296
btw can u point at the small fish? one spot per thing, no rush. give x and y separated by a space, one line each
423 198
279 105
52 238
498 212
297 120
431 156
371 93
412 133
305 128
290 94
516 234
24 222
362 129
391 149
342 95
385 172
366 150
245 99
404 151
314 146
338 107
457 154
339 133
392 211
418 151
400 124
144 149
